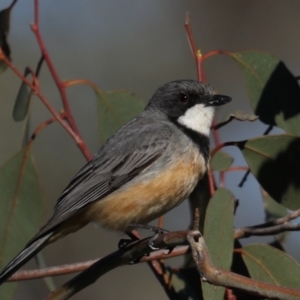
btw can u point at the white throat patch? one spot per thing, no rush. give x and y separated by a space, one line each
198 118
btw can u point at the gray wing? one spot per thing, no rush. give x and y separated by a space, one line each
132 149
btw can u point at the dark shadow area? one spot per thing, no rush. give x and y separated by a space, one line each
199 199
280 95
281 177
191 280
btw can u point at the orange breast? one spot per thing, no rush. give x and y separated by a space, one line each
144 201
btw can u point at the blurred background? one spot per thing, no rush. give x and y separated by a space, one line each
136 45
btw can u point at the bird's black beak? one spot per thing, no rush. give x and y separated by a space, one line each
218 100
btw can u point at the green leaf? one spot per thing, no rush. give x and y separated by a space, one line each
273 90
273 209
221 161
219 236
7 290
21 209
270 265
22 101
275 162
115 109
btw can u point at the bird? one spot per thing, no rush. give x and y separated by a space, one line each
145 169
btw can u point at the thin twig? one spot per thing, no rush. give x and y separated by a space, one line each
237 168
248 231
40 95
213 53
57 116
196 53
196 222
12 4
40 128
60 85
201 77
270 228
220 146
81 266
221 124
123 256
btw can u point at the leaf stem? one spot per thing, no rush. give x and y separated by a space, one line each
212 53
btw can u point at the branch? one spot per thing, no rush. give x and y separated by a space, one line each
158 268
35 27
81 266
248 231
269 228
209 273
123 256
220 146
57 116
60 86
196 53
201 77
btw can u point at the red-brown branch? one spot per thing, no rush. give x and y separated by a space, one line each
39 95
216 276
60 85
81 266
35 88
196 53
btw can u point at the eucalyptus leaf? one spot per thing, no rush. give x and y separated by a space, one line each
273 90
275 162
115 109
270 265
219 236
221 161
22 101
21 209
273 209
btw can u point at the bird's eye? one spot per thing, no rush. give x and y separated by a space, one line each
183 98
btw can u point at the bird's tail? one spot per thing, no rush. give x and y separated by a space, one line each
28 252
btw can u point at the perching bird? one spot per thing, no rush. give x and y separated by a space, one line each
145 169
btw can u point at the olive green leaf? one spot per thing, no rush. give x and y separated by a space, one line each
21 209
273 90
219 236
115 109
221 161
275 162
270 265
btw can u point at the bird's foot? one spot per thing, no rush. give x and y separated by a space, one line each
151 241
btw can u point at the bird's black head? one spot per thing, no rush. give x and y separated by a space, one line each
189 102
